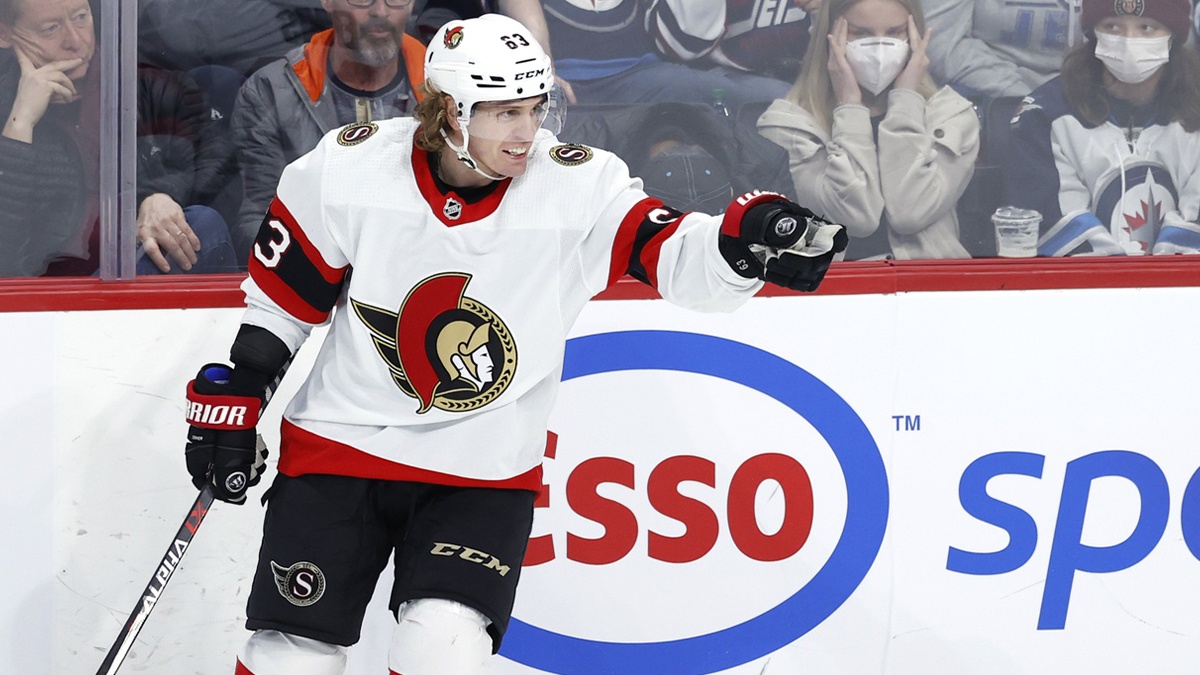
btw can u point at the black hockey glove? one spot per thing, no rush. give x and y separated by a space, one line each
769 237
223 447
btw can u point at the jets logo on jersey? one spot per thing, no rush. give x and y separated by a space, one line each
1028 103
442 348
1132 204
571 154
301 584
453 38
353 134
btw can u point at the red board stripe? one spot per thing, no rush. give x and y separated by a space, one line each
846 278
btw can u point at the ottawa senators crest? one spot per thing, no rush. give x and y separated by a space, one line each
571 154
353 134
442 348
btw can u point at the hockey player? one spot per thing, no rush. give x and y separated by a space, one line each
475 240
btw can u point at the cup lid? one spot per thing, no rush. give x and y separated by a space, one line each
1016 213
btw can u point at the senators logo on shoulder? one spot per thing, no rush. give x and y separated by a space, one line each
443 348
353 134
571 154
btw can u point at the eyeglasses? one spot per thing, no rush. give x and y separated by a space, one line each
394 4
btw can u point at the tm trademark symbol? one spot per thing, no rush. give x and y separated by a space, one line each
907 422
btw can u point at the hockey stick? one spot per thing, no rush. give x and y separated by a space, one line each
168 564
162 574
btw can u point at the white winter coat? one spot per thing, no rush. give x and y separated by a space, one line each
921 165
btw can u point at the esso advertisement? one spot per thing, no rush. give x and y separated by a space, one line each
993 483
708 503
721 498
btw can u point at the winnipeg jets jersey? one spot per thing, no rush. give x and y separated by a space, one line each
449 316
1109 190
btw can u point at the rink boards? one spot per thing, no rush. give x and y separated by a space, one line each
984 482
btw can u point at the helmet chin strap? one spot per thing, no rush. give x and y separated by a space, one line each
464 156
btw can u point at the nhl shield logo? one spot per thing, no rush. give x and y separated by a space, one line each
452 209
443 348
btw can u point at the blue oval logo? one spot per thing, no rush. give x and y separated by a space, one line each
866 510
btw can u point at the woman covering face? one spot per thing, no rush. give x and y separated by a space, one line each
871 140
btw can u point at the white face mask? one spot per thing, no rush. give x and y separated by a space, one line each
1132 60
876 61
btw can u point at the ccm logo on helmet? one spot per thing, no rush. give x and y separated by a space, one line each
531 74
206 413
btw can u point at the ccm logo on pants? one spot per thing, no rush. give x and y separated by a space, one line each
470 555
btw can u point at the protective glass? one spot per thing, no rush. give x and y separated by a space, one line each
513 121
394 4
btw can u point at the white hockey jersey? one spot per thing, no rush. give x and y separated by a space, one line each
450 316
1106 190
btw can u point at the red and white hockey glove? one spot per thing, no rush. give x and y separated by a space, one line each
223 447
766 236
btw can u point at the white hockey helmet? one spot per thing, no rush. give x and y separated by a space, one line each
488 58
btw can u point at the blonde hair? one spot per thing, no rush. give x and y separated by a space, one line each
813 89
430 112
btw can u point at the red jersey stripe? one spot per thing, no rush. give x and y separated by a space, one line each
333 275
626 237
302 452
653 249
283 295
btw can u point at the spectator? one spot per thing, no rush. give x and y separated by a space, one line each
873 143
614 53
430 15
49 154
688 154
363 68
767 39
1109 151
994 48
243 35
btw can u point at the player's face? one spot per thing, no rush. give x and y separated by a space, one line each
501 134
53 30
372 34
